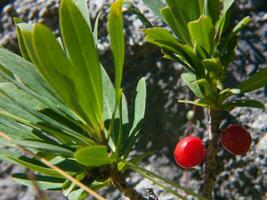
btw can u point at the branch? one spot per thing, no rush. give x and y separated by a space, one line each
211 159
120 183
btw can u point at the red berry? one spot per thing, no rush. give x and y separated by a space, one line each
236 139
189 152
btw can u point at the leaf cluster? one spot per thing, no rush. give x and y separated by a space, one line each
201 40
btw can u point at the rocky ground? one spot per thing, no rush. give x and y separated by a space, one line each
241 178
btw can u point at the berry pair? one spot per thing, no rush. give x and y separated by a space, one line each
190 151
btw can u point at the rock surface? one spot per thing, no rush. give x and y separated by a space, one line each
241 177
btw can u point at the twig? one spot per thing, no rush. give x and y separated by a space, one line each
211 164
120 183
57 169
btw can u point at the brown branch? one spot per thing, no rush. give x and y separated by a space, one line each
211 164
120 183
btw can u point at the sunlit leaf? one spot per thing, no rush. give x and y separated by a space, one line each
115 29
254 82
202 32
212 9
85 72
44 182
189 79
243 103
93 156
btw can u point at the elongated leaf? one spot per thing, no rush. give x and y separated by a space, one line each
139 107
25 103
25 71
184 14
227 5
44 182
136 117
23 48
189 79
24 76
44 146
77 194
85 71
169 19
108 95
228 57
16 130
256 81
202 32
154 6
179 29
55 67
96 26
222 24
212 9
243 103
115 29
34 165
93 156
165 40
198 102
82 5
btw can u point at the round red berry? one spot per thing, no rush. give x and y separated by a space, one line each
189 152
236 139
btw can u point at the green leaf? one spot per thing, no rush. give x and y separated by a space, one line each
23 74
82 5
227 5
85 69
44 146
93 156
212 9
154 6
202 33
54 66
184 14
179 29
227 93
165 40
17 66
108 96
243 103
254 82
229 53
198 102
240 25
77 194
139 107
236 30
21 104
115 29
189 79
136 117
215 71
222 24
44 182
96 26
16 130
23 48
33 165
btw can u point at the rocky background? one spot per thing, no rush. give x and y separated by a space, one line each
241 177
